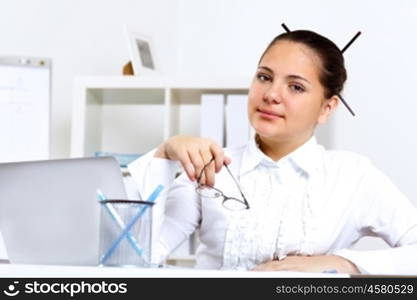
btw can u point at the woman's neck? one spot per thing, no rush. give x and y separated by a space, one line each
276 149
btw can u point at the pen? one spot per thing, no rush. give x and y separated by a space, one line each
113 247
115 216
331 271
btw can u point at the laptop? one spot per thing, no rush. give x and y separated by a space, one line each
49 213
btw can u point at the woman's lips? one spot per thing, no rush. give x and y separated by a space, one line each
268 114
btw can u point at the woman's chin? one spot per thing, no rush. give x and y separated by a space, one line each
266 131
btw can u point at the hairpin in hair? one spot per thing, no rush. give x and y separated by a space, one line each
343 50
351 41
285 27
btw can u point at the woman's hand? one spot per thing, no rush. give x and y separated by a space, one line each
318 263
194 153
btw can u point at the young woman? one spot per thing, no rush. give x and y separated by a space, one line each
282 202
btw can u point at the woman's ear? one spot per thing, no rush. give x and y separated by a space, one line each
328 106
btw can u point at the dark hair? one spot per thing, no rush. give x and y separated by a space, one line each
332 72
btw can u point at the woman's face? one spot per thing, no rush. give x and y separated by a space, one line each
286 99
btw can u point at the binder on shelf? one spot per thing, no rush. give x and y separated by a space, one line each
237 123
212 117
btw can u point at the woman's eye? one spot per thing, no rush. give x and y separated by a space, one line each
263 77
297 88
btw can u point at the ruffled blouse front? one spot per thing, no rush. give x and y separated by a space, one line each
279 221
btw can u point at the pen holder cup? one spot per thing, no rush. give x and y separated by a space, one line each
125 233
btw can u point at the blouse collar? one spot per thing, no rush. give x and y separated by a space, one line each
308 157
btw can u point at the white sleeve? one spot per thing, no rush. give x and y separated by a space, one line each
182 214
176 213
148 172
385 212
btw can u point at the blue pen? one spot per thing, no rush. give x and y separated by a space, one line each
115 216
129 226
332 271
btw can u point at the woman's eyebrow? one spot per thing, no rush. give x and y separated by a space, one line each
298 77
292 76
266 69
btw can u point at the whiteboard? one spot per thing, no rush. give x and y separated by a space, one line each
24 108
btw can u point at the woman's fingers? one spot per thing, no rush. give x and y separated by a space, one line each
227 160
194 153
218 155
198 164
187 165
209 166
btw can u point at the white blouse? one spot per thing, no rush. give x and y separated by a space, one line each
310 202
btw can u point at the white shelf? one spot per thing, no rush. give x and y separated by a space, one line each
135 114
133 82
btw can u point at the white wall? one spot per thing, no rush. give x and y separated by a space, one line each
83 38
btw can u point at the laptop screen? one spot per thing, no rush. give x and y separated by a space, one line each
49 212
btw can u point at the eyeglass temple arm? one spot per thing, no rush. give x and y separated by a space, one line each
233 177
202 170
238 185
343 50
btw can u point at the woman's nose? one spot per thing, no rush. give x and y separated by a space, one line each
273 95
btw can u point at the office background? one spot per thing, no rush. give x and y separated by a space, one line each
218 39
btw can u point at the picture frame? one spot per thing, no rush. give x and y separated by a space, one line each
141 52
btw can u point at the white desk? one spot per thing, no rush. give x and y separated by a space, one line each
33 271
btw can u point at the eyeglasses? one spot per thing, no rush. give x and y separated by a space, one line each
230 203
